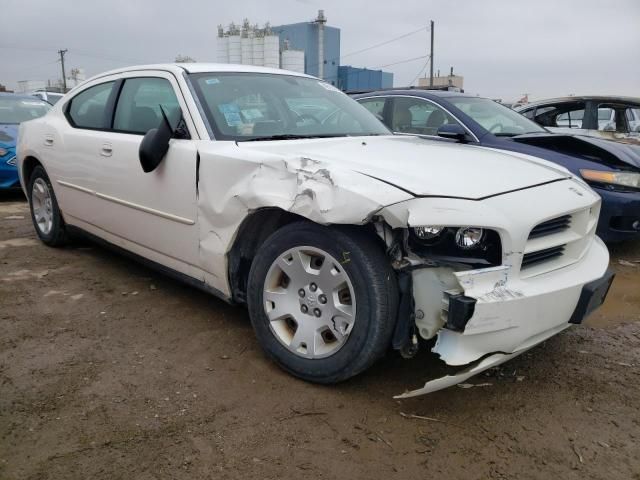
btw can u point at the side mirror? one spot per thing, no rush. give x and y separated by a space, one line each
155 143
452 131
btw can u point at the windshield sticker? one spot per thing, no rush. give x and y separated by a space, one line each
212 81
231 113
31 103
252 114
329 87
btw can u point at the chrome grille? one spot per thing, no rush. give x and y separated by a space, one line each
533 258
555 225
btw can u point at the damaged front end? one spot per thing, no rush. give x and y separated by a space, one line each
520 283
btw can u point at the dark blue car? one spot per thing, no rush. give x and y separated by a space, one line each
612 169
15 109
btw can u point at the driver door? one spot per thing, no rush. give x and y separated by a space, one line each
153 214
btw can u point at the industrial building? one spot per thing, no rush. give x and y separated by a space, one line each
320 43
451 81
351 79
308 47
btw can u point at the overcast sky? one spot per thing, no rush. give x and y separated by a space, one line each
503 48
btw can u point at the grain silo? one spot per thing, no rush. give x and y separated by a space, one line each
258 46
292 59
223 46
235 49
271 48
246 43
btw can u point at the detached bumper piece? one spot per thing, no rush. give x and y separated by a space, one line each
592 296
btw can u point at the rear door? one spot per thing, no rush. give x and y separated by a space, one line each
73 148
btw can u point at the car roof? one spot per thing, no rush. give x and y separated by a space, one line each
416 92
582 98
179 68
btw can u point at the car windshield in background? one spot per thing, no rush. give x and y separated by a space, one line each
259 106
496 118
14 110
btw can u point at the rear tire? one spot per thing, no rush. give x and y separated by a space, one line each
45 213
322 301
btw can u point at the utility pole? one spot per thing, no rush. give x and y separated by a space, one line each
64 76
431 59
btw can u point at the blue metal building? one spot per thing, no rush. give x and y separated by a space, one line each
356 79
306 36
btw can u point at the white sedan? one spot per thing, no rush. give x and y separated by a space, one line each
275 190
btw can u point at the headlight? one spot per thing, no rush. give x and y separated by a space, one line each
469 237
428 232
624 179
3 152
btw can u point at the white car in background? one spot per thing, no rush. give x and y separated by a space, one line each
50 97
344 241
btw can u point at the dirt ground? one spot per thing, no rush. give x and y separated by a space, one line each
111 371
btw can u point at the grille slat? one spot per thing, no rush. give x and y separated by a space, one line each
534 258
550 227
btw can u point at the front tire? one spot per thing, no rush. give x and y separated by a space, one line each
45 213
322 300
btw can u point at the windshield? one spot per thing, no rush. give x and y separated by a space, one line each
14 110
258 106
495 118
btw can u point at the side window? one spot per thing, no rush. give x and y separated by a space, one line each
138 108
566 115
374 105
607 119
88 108
415 115
529 113
633 119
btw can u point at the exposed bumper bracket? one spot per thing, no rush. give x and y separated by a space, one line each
461 310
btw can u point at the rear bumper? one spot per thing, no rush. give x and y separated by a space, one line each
618 213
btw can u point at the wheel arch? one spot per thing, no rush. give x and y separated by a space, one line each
251 235
28 166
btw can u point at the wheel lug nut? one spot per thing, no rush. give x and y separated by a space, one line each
322 299
304 308
317 312
313 287
301 292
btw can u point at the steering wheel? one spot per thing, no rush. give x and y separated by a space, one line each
305 116
494 128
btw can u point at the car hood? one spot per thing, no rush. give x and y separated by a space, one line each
422 167
610 153
8 135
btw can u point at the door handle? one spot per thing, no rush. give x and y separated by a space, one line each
48 140
106 150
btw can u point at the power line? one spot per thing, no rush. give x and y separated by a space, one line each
421 69
384 43
73 51
391 40
381 66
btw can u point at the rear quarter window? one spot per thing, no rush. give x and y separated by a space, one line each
88 108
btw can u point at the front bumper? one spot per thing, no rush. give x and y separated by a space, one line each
511 315
619 212
8 173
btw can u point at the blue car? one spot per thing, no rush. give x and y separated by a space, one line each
15 109
611 169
